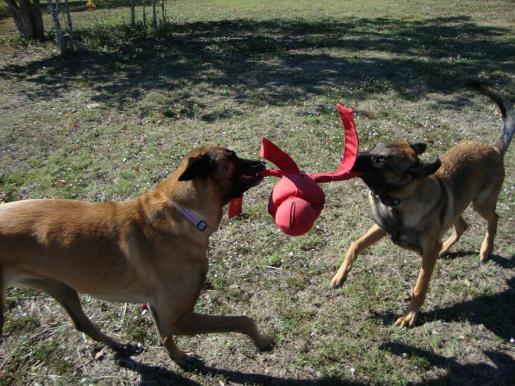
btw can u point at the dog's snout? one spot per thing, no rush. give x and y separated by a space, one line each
256 166
362 162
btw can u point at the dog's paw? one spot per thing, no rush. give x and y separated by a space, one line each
483 258
265 343
338 280
443 253
407 320
128 349
188 361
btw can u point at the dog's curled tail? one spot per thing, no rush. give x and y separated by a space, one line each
506 106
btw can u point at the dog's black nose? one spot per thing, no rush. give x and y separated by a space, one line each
260 165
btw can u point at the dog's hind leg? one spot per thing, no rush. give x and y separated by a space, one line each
460 226
487 211
484 204
373 235
69 299
487 246
172 322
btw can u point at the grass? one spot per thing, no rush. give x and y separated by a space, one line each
112 120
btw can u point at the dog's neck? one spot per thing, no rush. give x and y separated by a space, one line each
204 200
396 196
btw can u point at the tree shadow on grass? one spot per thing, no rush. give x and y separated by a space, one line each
277 62
155 375
501 373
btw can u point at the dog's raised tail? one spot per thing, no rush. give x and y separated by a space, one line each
506 106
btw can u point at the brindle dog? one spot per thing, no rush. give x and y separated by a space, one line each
415 202
151 249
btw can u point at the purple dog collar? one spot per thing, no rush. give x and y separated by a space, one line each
194 219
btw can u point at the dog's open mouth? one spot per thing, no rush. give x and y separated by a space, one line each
251 179
251 174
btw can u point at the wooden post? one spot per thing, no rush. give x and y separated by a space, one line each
53 8
144 15
154 15
163 10
133 12
69 25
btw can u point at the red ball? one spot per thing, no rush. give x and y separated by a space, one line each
296 202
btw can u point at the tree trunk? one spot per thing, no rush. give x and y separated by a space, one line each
27 18
53 8
154 15
38 21
133 13
69 25
144 15
163 10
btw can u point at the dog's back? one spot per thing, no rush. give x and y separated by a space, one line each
470 169
475 170
57 238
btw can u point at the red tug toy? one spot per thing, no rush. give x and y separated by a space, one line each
296 200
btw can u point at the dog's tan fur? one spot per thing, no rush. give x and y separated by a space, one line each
416 203
141 250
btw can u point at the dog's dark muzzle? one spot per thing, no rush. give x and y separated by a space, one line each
364 164
250 173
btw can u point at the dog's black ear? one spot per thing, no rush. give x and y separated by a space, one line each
418 147
424 169
431 167
199 166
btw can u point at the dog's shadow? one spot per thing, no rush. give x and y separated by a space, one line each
501 261
457 254
156 375
152 375
495 311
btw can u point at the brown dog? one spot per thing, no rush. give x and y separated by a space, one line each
416 202
151 249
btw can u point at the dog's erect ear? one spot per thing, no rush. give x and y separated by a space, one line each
424 169
198 166
429 168
418 147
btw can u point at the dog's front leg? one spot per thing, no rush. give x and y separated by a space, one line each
430 253
373 235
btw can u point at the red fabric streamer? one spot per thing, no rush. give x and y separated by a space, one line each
296 200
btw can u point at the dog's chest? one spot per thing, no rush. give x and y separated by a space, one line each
389 218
